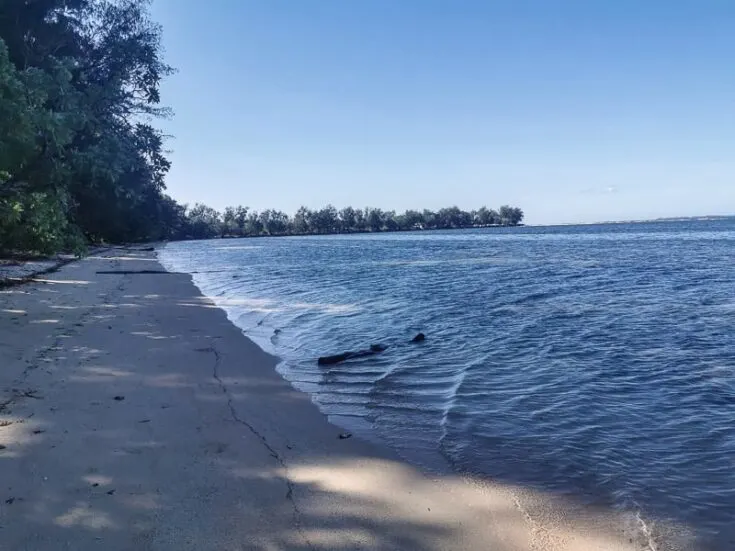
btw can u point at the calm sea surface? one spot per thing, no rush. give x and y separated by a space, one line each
592 361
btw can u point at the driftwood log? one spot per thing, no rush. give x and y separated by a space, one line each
374 349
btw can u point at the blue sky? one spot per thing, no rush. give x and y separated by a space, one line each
576 111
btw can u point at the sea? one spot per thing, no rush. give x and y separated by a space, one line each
595 362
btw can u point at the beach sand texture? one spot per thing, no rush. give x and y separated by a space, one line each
134 415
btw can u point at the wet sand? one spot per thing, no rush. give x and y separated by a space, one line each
134 415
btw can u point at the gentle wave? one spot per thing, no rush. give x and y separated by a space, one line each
596 361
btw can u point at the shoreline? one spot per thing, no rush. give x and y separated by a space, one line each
20 271
24 271
192 440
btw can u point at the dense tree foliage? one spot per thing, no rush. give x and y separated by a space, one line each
202 222
79 158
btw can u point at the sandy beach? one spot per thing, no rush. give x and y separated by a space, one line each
134 415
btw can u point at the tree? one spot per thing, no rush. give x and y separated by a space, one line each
204 222
265 219
486 217
347 220
360 223
171 219
374 219
301 221
412 220
82 145
42 30
510 216
326 220
121 70
229 224
429 220
389 221
280 222
274 222
493 217
254 225
33 210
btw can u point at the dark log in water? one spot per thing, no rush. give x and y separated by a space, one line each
337 358
374 349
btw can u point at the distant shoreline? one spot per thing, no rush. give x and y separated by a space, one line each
710 218
705 218
364 232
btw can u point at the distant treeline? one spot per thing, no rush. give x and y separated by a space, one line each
203 222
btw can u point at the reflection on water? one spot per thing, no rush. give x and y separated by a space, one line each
594 361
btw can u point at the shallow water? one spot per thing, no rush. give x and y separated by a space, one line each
596 362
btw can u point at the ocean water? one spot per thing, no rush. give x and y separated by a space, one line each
596 362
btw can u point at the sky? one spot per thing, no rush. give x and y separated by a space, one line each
573 110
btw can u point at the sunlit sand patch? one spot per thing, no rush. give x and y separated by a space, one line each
86 350
169 380
62 281
149 502
196 305
12 437
97 479
136 448
249 473
107 372
83 515
339 538
16 432
532 519
103 317
152 336
136 258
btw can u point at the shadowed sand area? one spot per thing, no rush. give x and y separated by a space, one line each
134 415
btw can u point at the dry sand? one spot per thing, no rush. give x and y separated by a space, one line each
134 415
